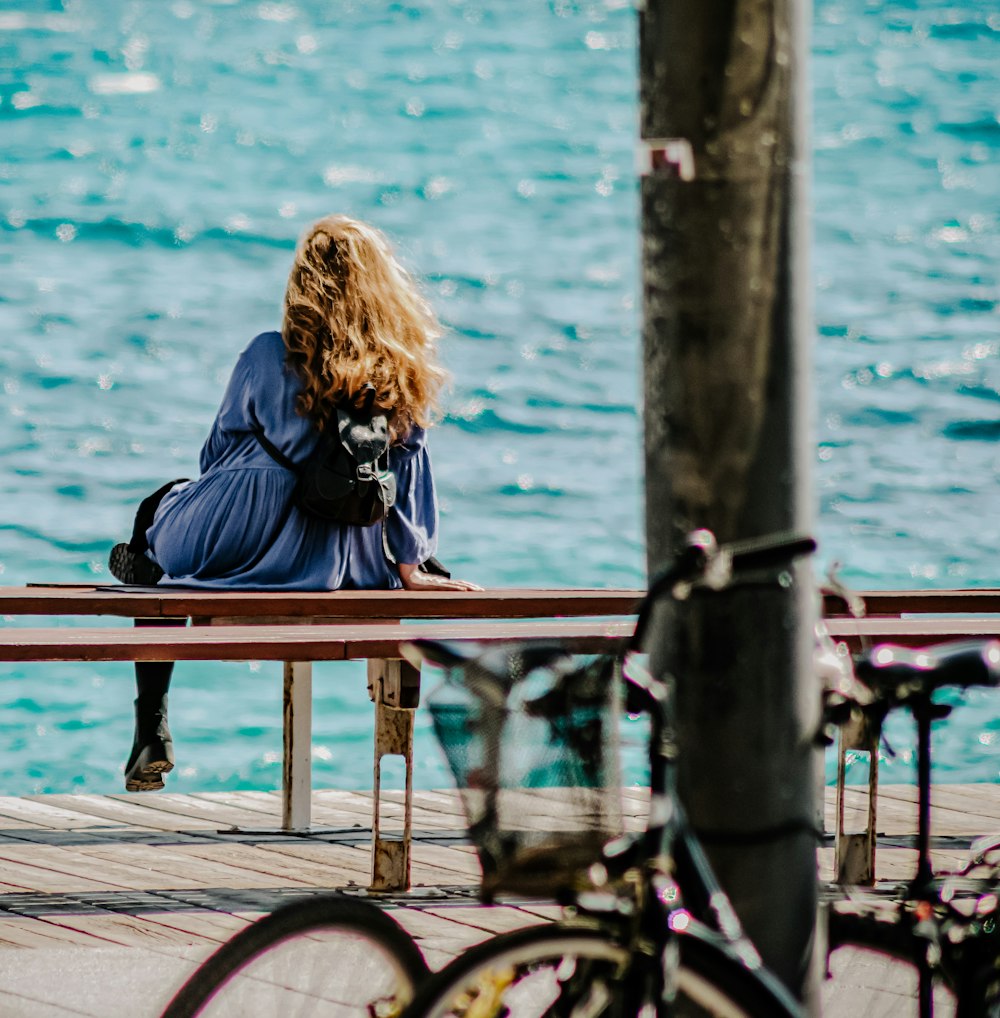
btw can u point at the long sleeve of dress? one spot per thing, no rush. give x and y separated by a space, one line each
411 526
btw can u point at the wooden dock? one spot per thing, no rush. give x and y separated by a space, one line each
107 903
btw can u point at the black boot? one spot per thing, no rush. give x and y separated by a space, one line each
152 753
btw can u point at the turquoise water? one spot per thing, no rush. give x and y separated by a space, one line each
160 159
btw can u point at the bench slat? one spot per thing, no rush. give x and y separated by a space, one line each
348 604
913 632
67 599
338 641
900 602
333 642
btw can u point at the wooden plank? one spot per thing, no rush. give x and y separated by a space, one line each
74 869
82 600
339 809
215 926
452 864
29 1002
13 888
286 643
426 872
21 876
131 931
178 805
913 632
866 985
900 602
350 866
346 807
133 812
343 604
439 937
270 866
202 643
49 817
498 919
264 806
953 811
182 867
421 923
581 637
24 931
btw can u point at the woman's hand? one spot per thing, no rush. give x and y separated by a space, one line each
415 579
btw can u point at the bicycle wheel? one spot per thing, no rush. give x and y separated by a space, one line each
874 963
564 971
329 955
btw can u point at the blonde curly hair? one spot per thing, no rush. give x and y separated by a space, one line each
354 315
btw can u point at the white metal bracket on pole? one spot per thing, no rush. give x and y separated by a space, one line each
296 774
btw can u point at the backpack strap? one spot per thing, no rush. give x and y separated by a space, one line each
362 402
272 450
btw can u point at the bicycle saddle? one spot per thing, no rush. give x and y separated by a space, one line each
899 675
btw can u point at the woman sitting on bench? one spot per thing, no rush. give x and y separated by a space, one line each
354 322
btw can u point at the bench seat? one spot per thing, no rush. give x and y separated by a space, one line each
338 641
331 642
912 631
156 602
891 603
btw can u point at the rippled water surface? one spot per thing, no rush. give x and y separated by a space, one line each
160 159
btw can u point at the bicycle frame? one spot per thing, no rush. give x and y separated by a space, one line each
651 889
930 931
668 846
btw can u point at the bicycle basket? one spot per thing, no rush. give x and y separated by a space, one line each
532 740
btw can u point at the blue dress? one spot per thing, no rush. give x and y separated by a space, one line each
235 527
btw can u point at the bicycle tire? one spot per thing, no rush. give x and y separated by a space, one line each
709 980
892 943
984 989
330 954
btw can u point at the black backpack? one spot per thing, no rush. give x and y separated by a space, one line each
347 478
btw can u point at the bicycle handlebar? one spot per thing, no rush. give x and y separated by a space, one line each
897 675
703 562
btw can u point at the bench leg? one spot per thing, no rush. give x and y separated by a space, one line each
395 688
854 853
296 775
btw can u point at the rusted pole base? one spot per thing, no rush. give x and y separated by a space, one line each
296 771
854 853
394 686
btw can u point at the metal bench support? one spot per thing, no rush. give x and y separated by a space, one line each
394 686
296 776
854 853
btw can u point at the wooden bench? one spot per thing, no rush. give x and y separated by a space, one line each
298 628
897 603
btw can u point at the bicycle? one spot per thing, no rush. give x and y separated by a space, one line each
946 925
650 931
325 955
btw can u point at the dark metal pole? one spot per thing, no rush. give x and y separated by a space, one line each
728 438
